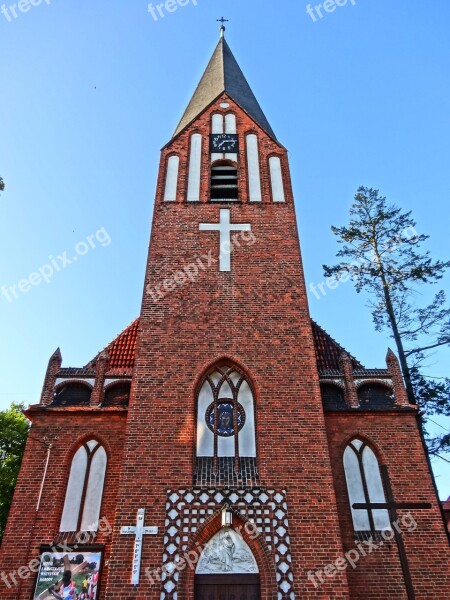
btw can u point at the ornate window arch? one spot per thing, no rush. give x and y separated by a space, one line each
117 394
84 491
365 485
73 393
375 395
333 396
226 420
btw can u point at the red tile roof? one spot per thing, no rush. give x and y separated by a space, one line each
122 350
328 350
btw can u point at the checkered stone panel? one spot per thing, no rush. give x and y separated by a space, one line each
188 509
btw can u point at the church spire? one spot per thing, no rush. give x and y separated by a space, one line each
223 74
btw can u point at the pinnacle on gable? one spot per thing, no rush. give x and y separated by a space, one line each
56 355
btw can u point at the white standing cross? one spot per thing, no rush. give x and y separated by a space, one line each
225 227
138 531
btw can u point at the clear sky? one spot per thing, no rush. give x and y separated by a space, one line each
90 92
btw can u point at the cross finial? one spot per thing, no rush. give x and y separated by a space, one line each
222 28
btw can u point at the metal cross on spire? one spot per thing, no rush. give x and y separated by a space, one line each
222 28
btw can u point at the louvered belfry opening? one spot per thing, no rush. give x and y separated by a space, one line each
224 181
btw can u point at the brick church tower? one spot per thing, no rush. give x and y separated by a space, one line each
217 447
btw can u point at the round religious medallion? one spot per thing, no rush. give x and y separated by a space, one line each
225 415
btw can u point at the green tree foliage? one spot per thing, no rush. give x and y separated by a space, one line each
2 185
13 434
382 251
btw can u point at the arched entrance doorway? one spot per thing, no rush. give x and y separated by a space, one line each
227 569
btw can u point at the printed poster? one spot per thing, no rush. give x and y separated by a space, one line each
69 575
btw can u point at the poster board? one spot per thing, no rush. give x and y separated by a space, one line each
69 575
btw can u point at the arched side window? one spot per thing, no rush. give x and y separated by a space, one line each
332 397
195 163
117 394
85 489
276 179
253 167
226 441
170 191
364 485
72 394
373 395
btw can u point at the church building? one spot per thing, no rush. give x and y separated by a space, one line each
224 446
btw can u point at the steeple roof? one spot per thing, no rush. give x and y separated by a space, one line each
223 74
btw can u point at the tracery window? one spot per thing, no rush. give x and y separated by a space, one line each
364 485
226 419
85 489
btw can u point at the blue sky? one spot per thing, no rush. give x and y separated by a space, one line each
91 92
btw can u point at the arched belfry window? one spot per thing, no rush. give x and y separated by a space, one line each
224 181
365 485
226 442
85 489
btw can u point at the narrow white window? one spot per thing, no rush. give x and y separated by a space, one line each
173 164
85 489
195 161
230 127
230 123
276 178
217 123
254 175
217 128
364 485
94 491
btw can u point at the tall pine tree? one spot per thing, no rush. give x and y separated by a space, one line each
382 251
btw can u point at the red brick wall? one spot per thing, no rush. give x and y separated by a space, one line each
26 530
395 439
258 314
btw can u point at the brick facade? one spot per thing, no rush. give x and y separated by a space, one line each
255 317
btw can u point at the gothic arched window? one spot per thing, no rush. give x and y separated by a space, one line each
85 489
117 394
72 394
375 396
364 485
332 397
226 422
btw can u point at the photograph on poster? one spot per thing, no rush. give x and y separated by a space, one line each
68 576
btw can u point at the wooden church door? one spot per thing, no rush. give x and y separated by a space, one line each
227 569
227 587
